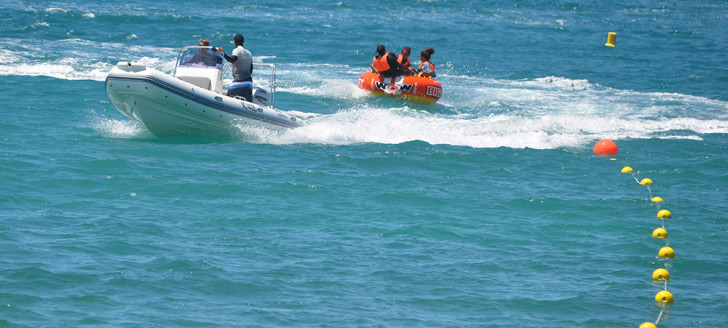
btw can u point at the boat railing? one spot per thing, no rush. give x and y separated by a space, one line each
272 94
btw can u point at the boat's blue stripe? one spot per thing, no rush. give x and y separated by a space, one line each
207 102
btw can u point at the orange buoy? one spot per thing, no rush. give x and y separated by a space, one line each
605 147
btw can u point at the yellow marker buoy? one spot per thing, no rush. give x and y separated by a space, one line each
657 199
611 39
659 233
660 274
664 214
648 325
666 252
627 169
646 181
664 297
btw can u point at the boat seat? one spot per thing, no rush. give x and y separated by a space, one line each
199 81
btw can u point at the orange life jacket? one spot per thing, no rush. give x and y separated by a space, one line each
381 63
399 60
428 63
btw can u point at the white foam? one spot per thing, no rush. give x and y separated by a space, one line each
335 89
555 130
70 68
114 128
554 82
78 59
59 71
8 57
54 10
257 59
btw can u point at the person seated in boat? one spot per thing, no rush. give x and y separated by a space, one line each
426 68
205 57
242 62
404 60
385 63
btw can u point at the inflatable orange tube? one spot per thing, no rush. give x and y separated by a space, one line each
416 89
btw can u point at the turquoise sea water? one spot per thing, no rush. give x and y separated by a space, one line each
487 209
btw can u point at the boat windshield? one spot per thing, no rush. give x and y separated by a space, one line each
200 57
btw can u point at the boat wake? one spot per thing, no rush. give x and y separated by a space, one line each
333 89
388 126
543 113
475 111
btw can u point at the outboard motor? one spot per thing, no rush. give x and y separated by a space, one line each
261 96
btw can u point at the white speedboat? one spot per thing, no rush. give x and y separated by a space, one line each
191 101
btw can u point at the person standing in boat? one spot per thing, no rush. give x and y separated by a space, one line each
404 60
426 68
242 61
205 57
385 63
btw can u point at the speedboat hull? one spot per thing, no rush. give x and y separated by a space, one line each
169 106
416 89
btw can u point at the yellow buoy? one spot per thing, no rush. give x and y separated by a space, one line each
646 181
664 214
657 199
627 169
659 233
660 274
666 252
664 297
611 39
648 325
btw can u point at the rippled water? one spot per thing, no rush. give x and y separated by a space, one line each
486 209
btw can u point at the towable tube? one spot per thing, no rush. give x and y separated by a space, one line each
416 89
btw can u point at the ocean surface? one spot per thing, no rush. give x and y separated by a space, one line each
487 209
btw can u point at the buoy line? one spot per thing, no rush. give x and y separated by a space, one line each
664 297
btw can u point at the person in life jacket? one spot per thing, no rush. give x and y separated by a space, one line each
385 63
404 60
426 68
